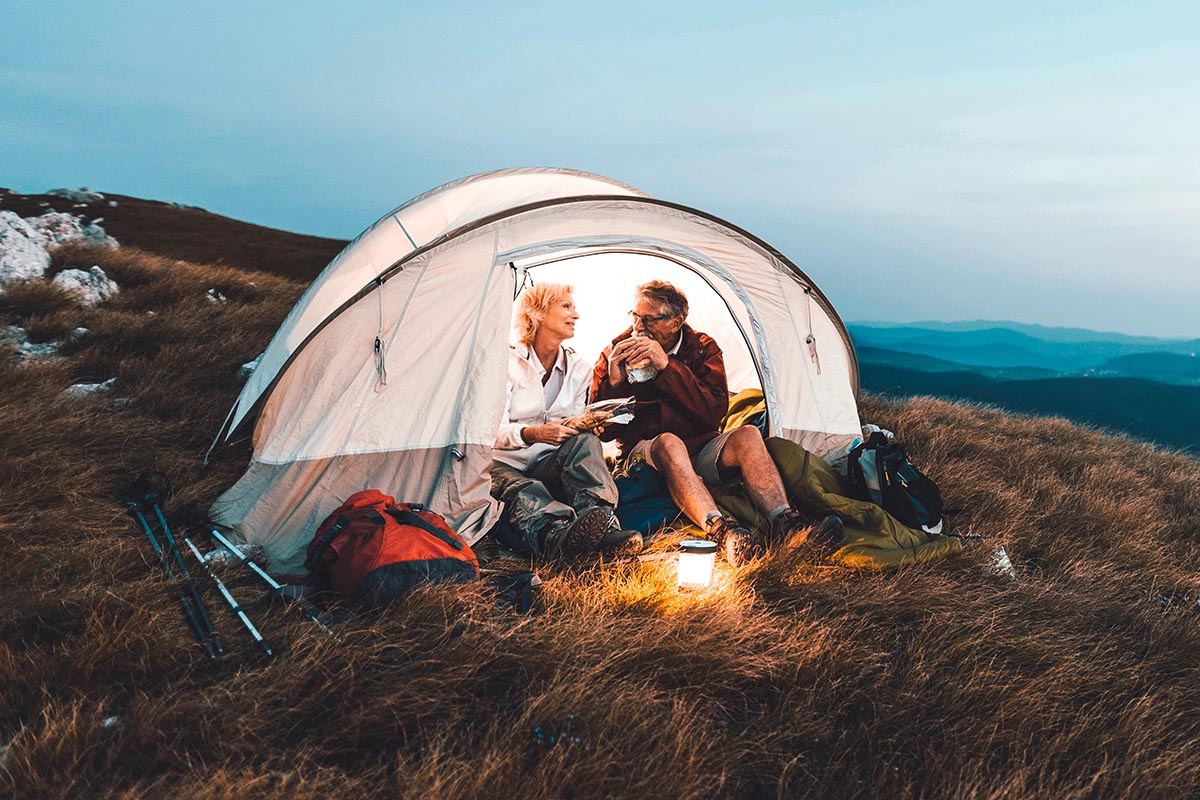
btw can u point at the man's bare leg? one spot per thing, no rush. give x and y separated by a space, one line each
745 450
669 456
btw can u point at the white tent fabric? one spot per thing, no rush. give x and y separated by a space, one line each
398 233
417 416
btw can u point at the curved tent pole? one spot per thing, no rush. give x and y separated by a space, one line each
505 181
796 273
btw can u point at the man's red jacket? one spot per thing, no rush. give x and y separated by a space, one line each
689 398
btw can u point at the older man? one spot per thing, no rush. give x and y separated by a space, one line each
677 376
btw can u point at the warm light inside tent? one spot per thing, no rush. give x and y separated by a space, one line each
697 558
606 287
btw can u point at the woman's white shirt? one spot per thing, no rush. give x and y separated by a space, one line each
528 405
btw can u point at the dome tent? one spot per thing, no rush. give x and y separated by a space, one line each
390 371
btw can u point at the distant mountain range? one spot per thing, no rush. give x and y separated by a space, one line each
1065 351
1143 386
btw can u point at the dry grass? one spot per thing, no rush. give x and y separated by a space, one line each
789 679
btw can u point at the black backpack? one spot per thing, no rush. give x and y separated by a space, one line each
879 471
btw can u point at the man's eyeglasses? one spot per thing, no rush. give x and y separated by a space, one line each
648 320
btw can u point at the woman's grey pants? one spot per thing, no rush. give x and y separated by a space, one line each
555 489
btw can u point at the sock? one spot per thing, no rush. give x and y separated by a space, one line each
774 513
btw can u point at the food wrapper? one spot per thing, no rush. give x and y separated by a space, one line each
598 416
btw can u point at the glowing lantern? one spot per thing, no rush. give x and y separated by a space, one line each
696 561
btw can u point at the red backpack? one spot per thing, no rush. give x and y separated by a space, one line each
374 549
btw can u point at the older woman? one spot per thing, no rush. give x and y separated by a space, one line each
557 491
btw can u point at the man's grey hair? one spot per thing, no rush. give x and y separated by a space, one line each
667 295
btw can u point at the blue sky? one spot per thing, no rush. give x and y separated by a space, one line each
920 161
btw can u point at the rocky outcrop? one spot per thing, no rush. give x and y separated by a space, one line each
24 252
16 338
90 286
81 195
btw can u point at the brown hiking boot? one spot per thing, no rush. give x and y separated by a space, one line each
739 543
579 536
621 544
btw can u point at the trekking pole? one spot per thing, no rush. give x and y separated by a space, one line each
203 636
201 610
233 604
275 585
150 489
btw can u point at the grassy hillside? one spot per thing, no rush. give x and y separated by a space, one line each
792 678
191 234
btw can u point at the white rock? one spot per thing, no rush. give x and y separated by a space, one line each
112 203
29 351
22 251
13 336
58 227
76 334
216 297
94 234
247 369
81 195
91 287
86 389
1001 565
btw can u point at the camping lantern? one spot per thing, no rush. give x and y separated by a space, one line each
696 561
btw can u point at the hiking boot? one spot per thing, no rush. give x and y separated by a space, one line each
621 544
739 543
579 536
618 543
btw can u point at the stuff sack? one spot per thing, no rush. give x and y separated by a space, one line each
374 549
644 503
879 471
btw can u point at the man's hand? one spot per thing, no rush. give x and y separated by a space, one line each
618 370
549 433
644 351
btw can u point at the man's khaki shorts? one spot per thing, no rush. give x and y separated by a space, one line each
705 462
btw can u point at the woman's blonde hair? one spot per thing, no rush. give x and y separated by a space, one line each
532 308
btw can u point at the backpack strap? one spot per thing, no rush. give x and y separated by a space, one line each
405 517
318 553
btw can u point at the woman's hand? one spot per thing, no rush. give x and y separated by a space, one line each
548 433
